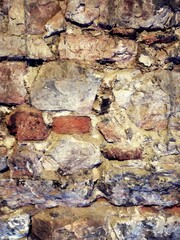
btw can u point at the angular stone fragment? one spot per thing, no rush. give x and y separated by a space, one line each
101 48
68 85
147 101
110 131
24 162
71 125
72 155
116 153
56 24
129 183
82 12
104 221
38 49
38 13
15 227
12 46
12 90
121 13
27 124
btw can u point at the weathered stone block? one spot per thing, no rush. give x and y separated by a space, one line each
72 155
12 90
97 48
24 162
122 13
104 221
37 48
12 46
27 124
68 85
146 98
38 13
118 153
71 125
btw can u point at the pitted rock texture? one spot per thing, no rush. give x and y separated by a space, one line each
89 119
27 124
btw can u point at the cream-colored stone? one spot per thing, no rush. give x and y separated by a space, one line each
146 60
55 24
38 49
16 24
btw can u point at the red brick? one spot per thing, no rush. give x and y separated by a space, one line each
115 153
71 125
27 124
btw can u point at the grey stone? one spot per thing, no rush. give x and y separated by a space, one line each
15 227
65 86
72 155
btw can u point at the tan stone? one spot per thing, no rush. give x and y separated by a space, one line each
118 153
105 221
55 24
16 24
37 48
86 47
12 46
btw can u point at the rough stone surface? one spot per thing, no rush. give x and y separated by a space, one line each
27 124
71 125
62 80
72 154
12 90
99 48
24 162
56 24
150 107
12 46
122 13
38 13
116 153
15 227
89 119
104 221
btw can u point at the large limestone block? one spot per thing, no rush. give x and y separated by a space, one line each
65 86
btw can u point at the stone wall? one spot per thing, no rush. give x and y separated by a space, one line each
89 108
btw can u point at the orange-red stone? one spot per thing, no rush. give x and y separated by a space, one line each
71 125
27 124
115 153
